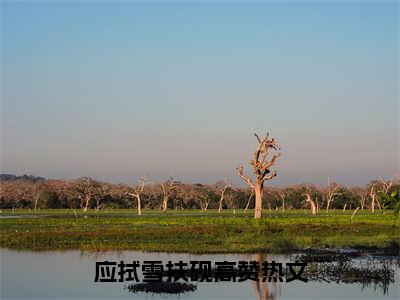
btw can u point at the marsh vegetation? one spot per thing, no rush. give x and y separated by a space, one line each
195 231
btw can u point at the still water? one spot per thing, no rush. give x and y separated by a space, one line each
71 274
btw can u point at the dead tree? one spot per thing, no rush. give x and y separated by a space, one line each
282 195
384 188
204 202
331 193
261 169
167 188
248 201
372 194
363 194
312 204
231 200
386 185
36 197
202 195
222 191
85 189
137 192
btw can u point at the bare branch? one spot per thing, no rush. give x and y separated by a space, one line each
240 172
271 162
257 137
133 195
272 175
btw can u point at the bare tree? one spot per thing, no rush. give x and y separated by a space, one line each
373 195
231 199
85 189
312 204
137 192
167 188
261 169
104 189
222 187
317 204
362 193
282 195
37 195
331 192
201 193
375 187
386 185
204 202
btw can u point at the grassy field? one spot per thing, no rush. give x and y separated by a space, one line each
195 231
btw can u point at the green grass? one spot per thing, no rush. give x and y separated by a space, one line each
194 231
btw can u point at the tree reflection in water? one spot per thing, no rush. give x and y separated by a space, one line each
326 266
262 290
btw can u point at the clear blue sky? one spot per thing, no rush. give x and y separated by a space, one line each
119 91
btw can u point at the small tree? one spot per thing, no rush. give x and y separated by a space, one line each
261 169
390 197
203 196
332 191
167 188
312 204
137 192
222 186
310 191
362 194
392 201
85 189
372 194
282 194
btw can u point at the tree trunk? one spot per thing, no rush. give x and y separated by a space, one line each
85 209
220 204
379 204
139 206
373 204
327 205
248 203
36 202
221 200
258 192
312 203
165 203
97 204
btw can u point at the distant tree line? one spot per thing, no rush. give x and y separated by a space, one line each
86 193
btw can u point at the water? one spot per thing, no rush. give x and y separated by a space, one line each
70 275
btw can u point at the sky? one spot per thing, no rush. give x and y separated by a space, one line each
117 91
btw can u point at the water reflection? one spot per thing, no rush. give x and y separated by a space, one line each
70 275
162 287
262 289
